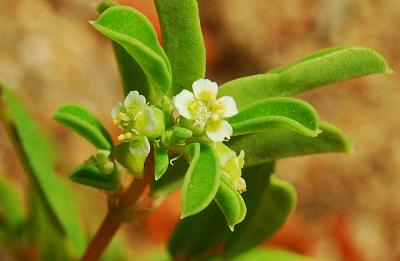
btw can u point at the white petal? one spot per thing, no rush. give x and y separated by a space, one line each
229 104
116 110
145 120
222 131
205 87
182 102
139 146
134 102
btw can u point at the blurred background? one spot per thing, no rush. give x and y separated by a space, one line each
348 205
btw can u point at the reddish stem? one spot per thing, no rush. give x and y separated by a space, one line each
110 225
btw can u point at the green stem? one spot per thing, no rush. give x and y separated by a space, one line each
111 223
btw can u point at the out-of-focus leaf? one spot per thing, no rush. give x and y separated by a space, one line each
279 112
132 31
320 68
11 206
269 201
231 204
280 143
201 181
86 124
34 151
161 162
270 254
182 41
197 235
90 175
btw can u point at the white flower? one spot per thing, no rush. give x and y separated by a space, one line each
205 110
138 121
231 166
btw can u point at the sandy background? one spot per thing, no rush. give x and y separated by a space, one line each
348 205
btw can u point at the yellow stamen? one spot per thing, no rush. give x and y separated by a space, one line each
128 136
121 137
215 117
116 121
121 116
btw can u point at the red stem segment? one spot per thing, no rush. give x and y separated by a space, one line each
110 225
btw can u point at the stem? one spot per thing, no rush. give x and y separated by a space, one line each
110 225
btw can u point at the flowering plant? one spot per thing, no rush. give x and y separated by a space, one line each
181 131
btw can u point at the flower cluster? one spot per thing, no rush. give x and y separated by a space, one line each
199 114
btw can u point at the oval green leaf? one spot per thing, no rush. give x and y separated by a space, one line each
86 124
231 204
90 175
182 41
201 181
133 163
289 113
134 33
161 162
269 201
279 143
318 69
36 156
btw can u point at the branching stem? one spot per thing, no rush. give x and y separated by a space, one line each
110 224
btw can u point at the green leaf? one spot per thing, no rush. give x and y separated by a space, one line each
320 68
134 163
202 180
279 143
170 181
133 32
289 113
90 175
34 152
270 254
161 162
86 124
182 41
269 201
231 204
11 206
197 235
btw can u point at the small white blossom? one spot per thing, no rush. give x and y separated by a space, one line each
205 110
137 120
231 166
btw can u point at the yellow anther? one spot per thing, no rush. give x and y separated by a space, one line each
215 117
116 121
121 137
121 116
128 136
219 111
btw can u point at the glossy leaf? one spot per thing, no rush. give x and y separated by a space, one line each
231 204
182 41
86 124
201 180
134 163
161 162
289 113
35 154
134 33
270 254
11 206
279 143
90 175
318 69
132 75
269 201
